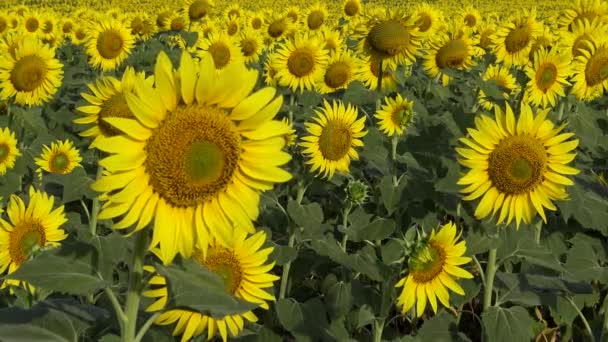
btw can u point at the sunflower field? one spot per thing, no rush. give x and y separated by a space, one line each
193 170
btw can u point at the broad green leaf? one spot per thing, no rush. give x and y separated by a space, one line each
76 185
520 243
305 215
193 287
374 152
392 251
359 262
440 328
587 207
377 229
305 321
30 119
507 324
491 89
391 194
448 182
283 254
31 333
358 95
338 299
583 265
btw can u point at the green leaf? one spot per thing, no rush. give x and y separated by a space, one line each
491 89
448 183
586 206
583 265
392 251
283 254
584 123
440 328
507 325
30 333
521 243
76 185
391 195
374 152
192 286
30 119
358 95
377 229
306 321
338 299
305 215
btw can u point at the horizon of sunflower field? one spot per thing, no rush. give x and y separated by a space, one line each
303 171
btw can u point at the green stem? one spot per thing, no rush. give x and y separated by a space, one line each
560 113
292 101
538 231
585 322
490 273
134 289
378 328
394 142
286 268
144 328
96 207
345 225
117 309
604 335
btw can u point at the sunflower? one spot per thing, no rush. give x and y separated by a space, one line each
270 70
332 40
198 9
147 30
590 71
544 41
338 74
450 50
61 158
428 19
232 26
31 23
547 77
395 115
581 35
10 41
315 16
233 10
251 45
293 13
513 40
432 269
198 155
504 79
223 48
80 35
109 44
30 228
485 34
368 72
32 75
8 150
583 9
516 166
243 267
332 138
471 18
4 23
277 26
256 21
176 22
161 18
66 26
300 62
352 7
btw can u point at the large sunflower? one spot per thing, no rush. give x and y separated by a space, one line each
332 138
517 166
61 158
202 148
107 100
590 71
504 79
547 77
30 228
432 268
32 75
110 43
582 33
244 268
8 150
395 115
300 62
513 40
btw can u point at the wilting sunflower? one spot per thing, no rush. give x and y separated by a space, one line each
201 150
109 45
517 166
332 138
395 115
432 269
547 77
8 150
244 268
368 72
30 229
590 71
251 45
61 157
352 7
450 50
198 9
428 19
582 34
223 48
32 76
504 79
300 62
513 40
338 74
583 9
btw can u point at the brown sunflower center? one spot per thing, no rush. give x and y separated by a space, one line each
224 263
48 27
249 47
80 34
114 107
28 73
59 163
136 25
3 24
233 28
517 164
234 13
32 24
24 239
220 53
546 75
109 44
4 152
198 9
277 28
470 20
452 54
389 37
518 39
315 19
178 24
337 74
424 22
293 15
256 23
67 27
193 155
335 140
352 8
427 263
596 70
301 62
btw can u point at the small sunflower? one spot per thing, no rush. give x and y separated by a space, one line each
428 19
338 74
395 115
256 21
270 70
516 166
32 76
198 9
232 26
32 23
223 48
504 79
251 45
110 43
368 72
432 269
300 62
513 40
590 71
197 156
315 16
61 158
471 18
277 26
4 23
332 138
233 10
544 41
352 7
30 229
8 150
293 13
547 77
332 40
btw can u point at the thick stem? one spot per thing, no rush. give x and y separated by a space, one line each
394 142
286 268
345 225
490 273
96 207
378 328
134 289
585 322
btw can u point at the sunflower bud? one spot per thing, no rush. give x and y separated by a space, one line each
356 192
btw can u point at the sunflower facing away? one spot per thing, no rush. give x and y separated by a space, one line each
590 71
332 138
243 267
395 115
300 62
8 150
110 43
61 158
32 75
30 228
505 80
517 167
201 149
432 269
547 77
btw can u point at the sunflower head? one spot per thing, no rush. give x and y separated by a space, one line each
198 9
110 44
60 158
395 115
8 150
352 7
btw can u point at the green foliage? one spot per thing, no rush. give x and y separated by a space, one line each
507 324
